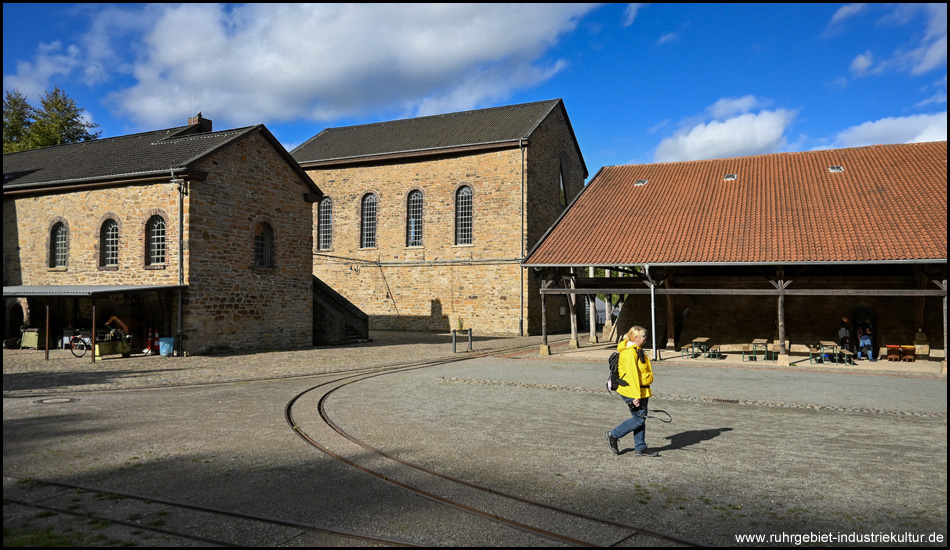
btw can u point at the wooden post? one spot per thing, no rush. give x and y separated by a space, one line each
572 311
545 348
93 335
592 305
47 331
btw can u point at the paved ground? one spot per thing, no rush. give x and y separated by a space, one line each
753 448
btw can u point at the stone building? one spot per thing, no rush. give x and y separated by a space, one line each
775 248
425 221
187 231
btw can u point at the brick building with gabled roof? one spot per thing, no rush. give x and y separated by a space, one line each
858 232
425 221
187 231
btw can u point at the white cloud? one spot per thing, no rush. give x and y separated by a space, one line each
248 63
32 78
861 65
630 13
909 129
729 106
742 135
928 53
844 12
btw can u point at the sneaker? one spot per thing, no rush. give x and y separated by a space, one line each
612 442
647 452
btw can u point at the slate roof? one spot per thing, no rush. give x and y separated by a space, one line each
889 204
148 154
431 134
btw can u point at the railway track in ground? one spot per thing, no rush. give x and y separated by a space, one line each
524 520
504 519
94 516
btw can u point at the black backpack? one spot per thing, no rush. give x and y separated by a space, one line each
614 381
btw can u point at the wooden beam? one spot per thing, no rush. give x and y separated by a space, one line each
751 292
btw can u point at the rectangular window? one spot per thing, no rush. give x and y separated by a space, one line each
110 244
325 225
463 216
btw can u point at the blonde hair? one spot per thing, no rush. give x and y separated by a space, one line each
635 332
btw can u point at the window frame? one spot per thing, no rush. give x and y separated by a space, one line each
263 245
368 220
325 224
58 245
156 246
109 234
464 215
414 218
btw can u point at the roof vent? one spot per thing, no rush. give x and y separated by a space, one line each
835 169
730 177
641 182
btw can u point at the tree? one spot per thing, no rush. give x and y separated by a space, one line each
57 121
18 116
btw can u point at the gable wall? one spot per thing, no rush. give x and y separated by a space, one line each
230 302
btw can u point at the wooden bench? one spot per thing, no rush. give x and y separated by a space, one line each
747 350
686 352
847 356
714 352
814 356
774 351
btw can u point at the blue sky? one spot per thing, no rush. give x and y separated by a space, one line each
641 82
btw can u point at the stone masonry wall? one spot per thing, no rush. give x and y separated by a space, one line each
28 222
231 304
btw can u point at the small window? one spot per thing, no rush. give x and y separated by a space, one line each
264 246
414 219
463 216
109 244
58 245
325 225
563 187
155 241
368 222
835 169
730 177
641 182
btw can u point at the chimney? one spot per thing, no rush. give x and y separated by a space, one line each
203 123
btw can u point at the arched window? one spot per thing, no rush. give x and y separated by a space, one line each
155 241
109 244
58 245
325 225
463 215
368 222
414 219
264 246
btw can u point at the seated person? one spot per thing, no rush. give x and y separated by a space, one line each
864 342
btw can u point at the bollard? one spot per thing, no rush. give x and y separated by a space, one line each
453 340
469 339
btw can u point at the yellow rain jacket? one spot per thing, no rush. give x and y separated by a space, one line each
638 374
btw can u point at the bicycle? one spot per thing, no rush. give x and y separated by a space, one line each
78 345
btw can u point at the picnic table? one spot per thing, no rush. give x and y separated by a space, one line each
759 343
699 346
835 350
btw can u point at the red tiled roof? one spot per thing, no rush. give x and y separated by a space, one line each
888 204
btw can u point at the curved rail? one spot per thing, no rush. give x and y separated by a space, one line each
341 381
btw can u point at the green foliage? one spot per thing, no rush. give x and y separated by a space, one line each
57 121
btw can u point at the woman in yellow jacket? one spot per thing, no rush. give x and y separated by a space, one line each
636 371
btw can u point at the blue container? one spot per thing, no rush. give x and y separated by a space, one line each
166 346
